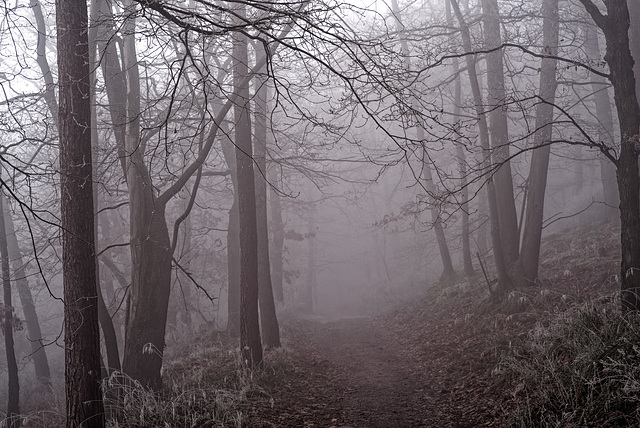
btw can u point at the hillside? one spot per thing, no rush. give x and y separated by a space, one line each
556 354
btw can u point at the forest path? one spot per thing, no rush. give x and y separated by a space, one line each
351 372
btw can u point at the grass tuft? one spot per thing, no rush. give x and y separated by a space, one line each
580 370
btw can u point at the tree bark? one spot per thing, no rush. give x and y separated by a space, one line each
530 254
496 99
13 402
82 336
268 316
250 344
615 26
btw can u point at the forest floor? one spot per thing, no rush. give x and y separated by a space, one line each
428 363
436 361
359 372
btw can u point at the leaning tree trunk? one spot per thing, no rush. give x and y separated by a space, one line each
268 316
530 254
615 26
40 361
82 336
500 133
250 344
13 403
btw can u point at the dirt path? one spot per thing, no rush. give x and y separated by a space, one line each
351 372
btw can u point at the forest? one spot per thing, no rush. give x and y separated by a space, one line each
321 213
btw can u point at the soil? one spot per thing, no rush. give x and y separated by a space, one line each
357 372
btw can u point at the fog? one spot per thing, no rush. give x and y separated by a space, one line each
374 151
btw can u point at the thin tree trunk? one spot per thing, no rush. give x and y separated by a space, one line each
250 344
530 254
13 403
108 330
604 114
499 133
462 164
81 331
233 245
277 237
268 316
40 361
504 281
311 282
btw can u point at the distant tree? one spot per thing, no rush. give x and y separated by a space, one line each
537 182
499 132
82 337
250 343
268 317
504 280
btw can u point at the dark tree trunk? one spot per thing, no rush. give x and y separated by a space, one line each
13 403
82 336
250 344
268 316
615 26
496 100
530 254
40 361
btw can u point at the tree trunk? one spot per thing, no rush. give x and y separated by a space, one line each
610 195
504 281
498 128
40 361
82 336
268 316
277 237
448 272
13 403
615 26
233 245
150 244
530 254
250 344
108 330
312 274
634 39
462 163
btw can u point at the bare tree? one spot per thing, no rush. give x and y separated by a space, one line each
82 337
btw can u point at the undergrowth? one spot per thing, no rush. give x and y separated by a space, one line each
580 370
